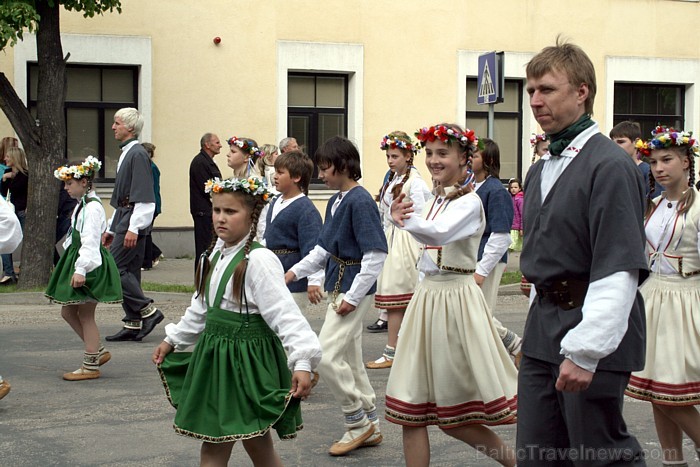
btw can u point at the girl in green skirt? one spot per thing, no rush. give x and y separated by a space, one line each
236 384
86 273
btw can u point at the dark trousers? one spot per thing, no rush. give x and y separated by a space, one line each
151 253
202 233
129 262
572 428
62 227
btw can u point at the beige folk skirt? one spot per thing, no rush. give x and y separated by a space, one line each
671 375
399 275
451 368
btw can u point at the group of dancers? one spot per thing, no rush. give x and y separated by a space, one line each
421 254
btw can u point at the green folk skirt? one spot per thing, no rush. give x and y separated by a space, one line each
103 284
234 385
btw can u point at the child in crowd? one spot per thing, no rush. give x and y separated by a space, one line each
450 368
516 230
293 223
242 152
399 274
15 184
10 237
628 135
266 165
495 240
236 384
86 273
540 146
352 247
671 376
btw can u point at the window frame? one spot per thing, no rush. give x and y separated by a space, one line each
645 119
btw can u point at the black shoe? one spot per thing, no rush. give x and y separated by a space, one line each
379 326
125 335
148 324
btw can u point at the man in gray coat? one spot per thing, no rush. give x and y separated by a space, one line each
133 200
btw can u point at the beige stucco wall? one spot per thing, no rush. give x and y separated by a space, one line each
410 59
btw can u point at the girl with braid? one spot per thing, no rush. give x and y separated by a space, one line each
86 273
238 383
671 378
399 274
450 368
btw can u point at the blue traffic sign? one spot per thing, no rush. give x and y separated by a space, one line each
489 81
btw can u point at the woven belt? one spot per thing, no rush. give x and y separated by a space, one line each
567 294
284 251
341 270
124 203
457 270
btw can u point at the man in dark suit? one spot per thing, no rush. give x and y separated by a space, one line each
203 168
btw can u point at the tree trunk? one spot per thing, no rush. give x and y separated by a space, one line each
44 157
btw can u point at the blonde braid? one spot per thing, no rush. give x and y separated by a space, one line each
239 273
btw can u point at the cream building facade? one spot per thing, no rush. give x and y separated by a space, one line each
360 68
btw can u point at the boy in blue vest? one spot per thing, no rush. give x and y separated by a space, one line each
293 223
352 247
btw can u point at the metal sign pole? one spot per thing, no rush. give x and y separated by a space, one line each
489 123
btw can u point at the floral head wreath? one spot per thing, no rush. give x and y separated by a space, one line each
535 138
446 134
253 186
398 142
88 168
245 145
664 137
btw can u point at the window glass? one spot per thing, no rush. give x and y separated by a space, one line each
300 91
118 85
330 92
84 84
649 105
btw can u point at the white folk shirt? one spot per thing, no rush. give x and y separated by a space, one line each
266 294
600 332
370 266
496 246
142 214
91 224
659 231
10 230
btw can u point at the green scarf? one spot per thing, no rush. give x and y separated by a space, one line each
560 141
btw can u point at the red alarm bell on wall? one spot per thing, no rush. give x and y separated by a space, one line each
217 40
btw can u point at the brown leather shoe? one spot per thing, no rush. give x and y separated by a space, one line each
104 357
82 374
380 363
4 388
374 440
351 440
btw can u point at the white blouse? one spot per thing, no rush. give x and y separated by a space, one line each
266 294
460 221
10 231
91 224
659 230
418 192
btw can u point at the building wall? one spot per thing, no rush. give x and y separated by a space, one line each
408 62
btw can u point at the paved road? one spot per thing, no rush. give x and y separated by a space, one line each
123 418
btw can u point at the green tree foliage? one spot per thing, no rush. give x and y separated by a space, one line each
43 137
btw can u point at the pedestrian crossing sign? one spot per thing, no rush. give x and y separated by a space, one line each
489 81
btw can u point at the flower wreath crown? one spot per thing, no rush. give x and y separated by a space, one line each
535 138
245 146
664 137
253 186
88 168
398 142
447 134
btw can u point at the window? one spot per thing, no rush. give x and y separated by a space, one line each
507 124
649 105
93 96
317 109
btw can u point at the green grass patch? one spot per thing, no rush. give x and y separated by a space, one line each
13 288
171 288
511 277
